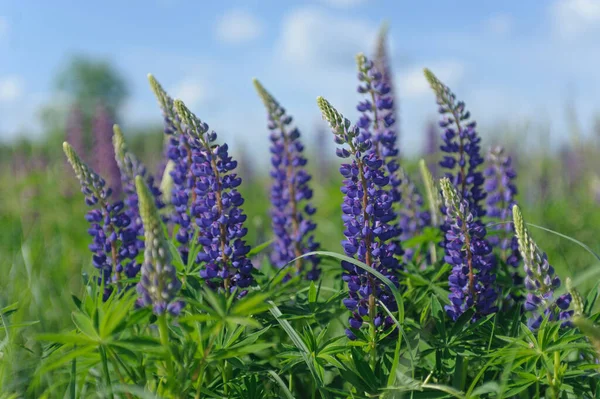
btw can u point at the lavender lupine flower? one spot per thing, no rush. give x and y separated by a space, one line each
158 284
131 167
292 209
179 152
369 225
540 280
461 145
412 217
431 147
472 278
113 245
501 191
377 120
382 63
104 154
216 209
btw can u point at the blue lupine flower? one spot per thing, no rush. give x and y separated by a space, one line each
131 167
369 223
158 284
461 145
216 209
291 210
179 151
500 200
472 278
540 280
114 245
413 218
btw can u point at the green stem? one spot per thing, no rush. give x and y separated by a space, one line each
224 375
163 330
105 370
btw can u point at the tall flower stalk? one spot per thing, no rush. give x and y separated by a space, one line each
131 167
217 209
179 151
369 228
110 226
472 278
540 280
291 210
158 284
461 144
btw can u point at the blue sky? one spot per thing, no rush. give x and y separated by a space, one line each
517 64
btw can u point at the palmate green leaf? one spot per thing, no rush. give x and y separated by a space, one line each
251 304
66 338
85 325
239 350
438 314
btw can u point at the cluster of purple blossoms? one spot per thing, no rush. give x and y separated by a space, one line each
291 209
412 216
216 208
369 225
114 244
179 152
131 167
540 280
470 255
461 145
501 191
158 284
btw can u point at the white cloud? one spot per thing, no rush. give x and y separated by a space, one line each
238 26
311 37
344 3
412 82
499 24
191 90
574 17
11 88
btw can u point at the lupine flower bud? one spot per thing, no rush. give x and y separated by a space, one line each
540 280
472 278
113 247
291 210
158 284
369 225
433 194
216 208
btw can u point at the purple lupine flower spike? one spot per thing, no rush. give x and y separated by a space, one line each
179 151
217 209
382 63
413 218
131 167
461 145
501 189
110 226
104 154
431 147
158 284
369 222
540 280
292 209
470 255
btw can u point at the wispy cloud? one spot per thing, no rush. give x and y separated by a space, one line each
238 26
575 17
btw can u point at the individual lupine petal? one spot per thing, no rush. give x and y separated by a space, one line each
216 208
369 229
472 278
540 280
159 285
290 192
